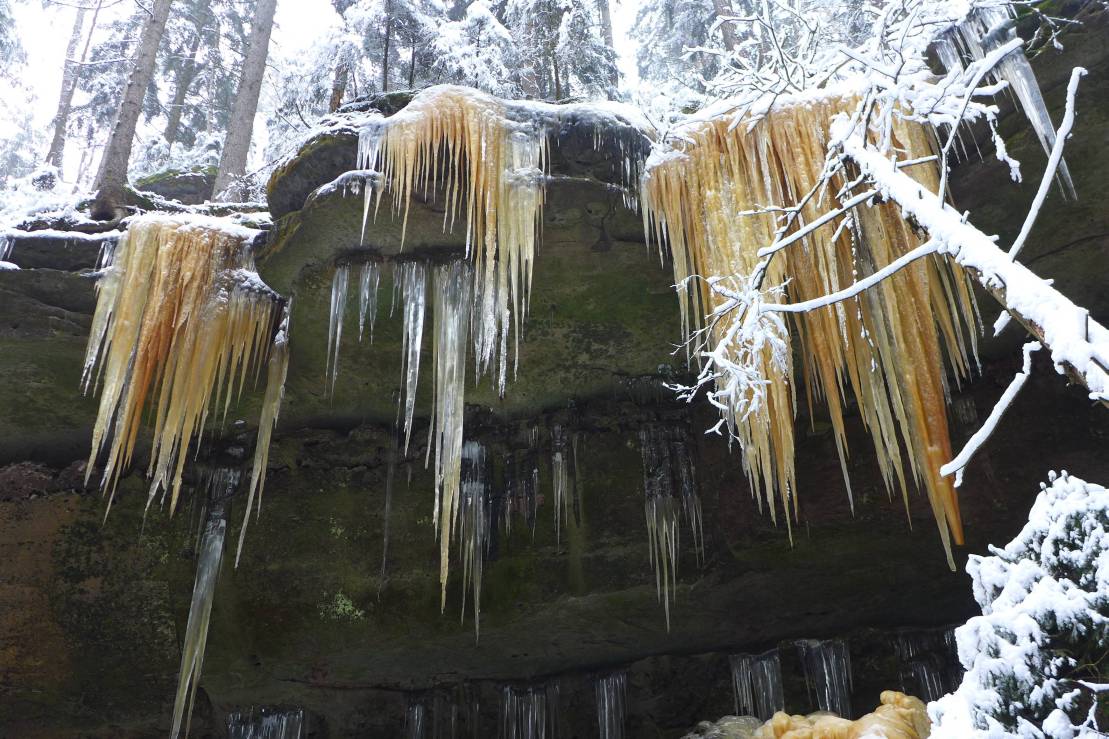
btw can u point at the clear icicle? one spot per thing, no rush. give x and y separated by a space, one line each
390 481
611 693
530 712
415 721
453 294
757 684
928 663
219 485
989 27
827 665
369 279
268 723
339 285
410 279
6 244
474 522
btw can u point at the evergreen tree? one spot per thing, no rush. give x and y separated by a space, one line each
667 31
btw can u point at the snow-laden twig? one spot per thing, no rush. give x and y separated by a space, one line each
975 442
1052 163
1079 345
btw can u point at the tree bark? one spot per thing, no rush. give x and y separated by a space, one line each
338 87
412 68
236 146
183 83
69 83
111 178
606 25
388 42
723 9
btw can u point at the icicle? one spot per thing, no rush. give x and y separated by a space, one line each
410 279
339 285
368 281
415 721
181 319
757 684
453 293
530 712
827 666
474 522
898 328
492 170
668 476
218 486
269 723
928 664
986 28
6 244
611 699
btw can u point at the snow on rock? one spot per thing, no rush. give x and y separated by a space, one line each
1045 608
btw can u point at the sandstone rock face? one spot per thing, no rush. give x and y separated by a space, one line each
91 615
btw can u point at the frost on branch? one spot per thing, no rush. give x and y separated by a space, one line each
1044 623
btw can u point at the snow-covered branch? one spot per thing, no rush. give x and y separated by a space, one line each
1079 346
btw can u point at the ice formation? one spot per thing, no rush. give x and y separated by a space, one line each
986 28
827 665
218 485
182 321
564 463
339 283
757 684
612 693
266 723
369 279
530 712
474 523
491 171
712 199
668 477
410 282
899 716
927 662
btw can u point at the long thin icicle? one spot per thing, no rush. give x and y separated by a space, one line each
410 279
217 486
369 279
339 284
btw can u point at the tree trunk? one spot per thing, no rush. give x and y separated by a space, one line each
236 146
338 87
388 42
412 68
111 178
183 83
606 24
723 9
69 83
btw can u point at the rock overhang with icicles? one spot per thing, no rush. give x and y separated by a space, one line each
585 335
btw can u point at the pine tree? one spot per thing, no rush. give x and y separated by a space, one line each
667 30
236 146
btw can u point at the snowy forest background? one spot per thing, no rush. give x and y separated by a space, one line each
65 65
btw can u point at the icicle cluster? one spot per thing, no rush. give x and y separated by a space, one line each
986 28
521 485
612 693
711 201
181 322
530 712
410 284
267 723
928 663
827 666
757 684
564 465
668 478
491 171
